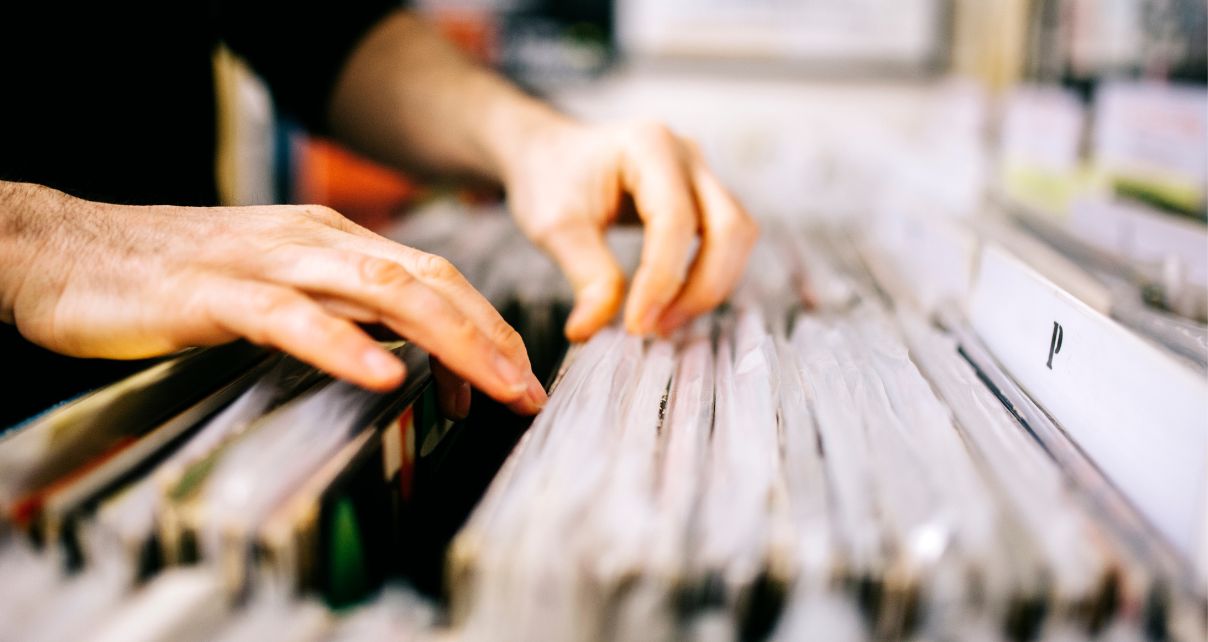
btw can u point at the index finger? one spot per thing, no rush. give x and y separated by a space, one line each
727 237
386 292
440 275
657 177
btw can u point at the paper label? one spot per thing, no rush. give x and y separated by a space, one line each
1138 414
1152 129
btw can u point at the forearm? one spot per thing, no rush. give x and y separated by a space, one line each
408 98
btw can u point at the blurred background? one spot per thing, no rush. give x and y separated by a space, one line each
796 102
1086 117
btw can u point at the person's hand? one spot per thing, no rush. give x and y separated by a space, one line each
568 182
407 97
98 280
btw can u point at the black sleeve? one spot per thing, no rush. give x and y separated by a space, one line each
298 46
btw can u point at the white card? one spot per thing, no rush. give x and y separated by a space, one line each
1141 416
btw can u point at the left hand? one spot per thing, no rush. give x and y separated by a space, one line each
568 182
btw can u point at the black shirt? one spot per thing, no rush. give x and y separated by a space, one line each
113 100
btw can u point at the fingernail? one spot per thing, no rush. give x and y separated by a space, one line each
511 375
536 394
381 364
462 404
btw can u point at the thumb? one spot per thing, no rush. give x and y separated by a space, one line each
598 281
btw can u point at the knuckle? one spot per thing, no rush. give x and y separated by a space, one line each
550 226
267 303
380 273
436 267
675 222
309 327
322 214
299 325
613 277
274 313
654 129
740 229
507 337
329 332
608 281
648 133
463 331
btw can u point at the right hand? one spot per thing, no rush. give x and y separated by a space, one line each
568 182
121 282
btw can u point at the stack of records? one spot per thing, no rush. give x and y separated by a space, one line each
820 459
218 479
